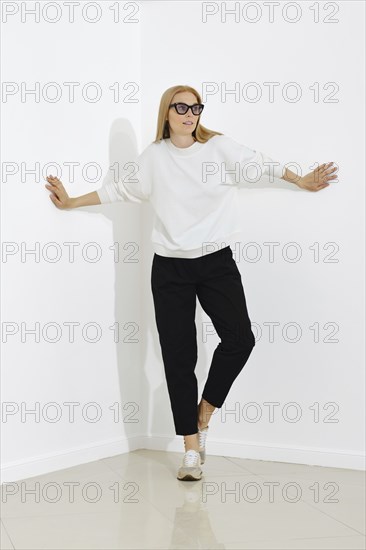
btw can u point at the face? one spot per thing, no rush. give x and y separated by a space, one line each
179 124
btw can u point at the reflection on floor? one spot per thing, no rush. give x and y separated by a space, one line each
135 501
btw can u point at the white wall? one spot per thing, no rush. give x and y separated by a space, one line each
104 292
172 45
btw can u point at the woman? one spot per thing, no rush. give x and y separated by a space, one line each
191 176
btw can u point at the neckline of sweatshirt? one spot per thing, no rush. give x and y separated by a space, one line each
186 151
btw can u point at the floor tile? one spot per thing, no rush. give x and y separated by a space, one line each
91 531
326 543
329 494
259 467
68 492
5 542
141 504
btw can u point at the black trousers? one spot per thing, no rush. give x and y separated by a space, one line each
216 281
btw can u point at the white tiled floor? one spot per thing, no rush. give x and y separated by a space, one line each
134 501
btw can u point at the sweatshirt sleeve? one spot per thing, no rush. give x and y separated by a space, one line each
246 164
254 164
133 186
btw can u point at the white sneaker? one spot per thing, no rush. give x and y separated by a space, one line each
202 434
190 469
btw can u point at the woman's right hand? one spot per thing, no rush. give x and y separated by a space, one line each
59 196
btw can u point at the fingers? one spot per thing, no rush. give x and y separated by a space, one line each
330 171
327 177
55 185
53 181
324 167
325 172
51 186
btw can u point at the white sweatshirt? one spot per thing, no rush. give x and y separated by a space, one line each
193 191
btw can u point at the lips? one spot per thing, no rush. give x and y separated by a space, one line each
188 123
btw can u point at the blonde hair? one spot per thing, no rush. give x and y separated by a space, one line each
200 133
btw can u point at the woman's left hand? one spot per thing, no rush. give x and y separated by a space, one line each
318 178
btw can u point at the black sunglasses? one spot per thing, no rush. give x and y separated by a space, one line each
182 108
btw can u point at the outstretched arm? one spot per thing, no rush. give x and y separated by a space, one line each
313 181
250 159
61 199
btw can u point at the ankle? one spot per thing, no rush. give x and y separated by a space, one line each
192 448
202 424
191 443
